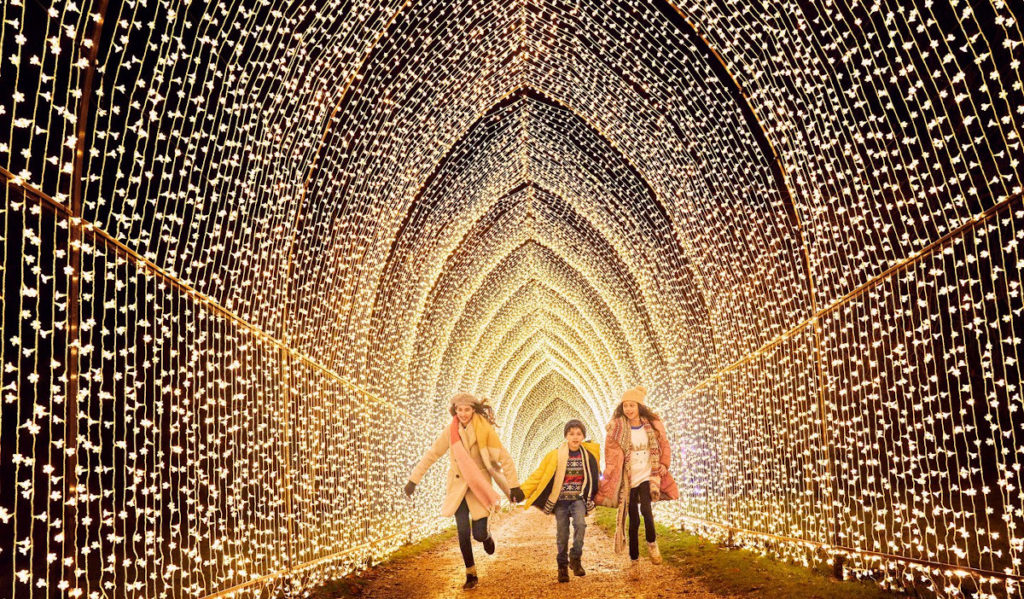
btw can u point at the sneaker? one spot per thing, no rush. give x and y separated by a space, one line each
652 550
489 545
471 581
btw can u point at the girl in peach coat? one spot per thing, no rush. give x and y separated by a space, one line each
637 457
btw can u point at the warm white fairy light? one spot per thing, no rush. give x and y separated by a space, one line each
303 226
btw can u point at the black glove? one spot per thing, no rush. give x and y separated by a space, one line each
516 495
409 488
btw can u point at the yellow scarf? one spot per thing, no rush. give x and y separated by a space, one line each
485 434
490 450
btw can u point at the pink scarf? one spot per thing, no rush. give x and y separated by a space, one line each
479 484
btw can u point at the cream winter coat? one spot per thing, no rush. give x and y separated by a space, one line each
457 488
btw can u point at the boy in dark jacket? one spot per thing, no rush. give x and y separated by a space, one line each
565 484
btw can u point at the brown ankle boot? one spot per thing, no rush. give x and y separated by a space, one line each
563 573
471 579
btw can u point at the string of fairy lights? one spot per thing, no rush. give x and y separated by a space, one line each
250 248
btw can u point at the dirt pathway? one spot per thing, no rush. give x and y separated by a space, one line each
523 567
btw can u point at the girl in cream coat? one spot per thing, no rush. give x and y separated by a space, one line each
478 458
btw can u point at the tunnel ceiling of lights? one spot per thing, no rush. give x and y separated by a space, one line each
251 248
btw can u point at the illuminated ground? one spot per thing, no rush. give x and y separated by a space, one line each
524 567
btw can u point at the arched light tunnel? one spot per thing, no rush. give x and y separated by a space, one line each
251 248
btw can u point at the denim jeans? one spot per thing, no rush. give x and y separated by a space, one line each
577 511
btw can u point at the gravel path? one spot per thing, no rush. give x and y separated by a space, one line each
523 567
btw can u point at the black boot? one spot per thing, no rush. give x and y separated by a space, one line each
576 566
489 545
471 581
563 573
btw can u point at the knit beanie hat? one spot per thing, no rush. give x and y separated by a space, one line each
463 399
574 424
636 394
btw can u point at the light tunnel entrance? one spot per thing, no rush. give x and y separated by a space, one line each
251 248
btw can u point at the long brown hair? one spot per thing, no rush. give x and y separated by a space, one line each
645 412
480 407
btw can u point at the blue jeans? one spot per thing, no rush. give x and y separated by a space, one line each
564 510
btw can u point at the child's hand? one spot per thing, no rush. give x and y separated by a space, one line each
662 470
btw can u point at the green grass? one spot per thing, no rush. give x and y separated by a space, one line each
353 584
744 573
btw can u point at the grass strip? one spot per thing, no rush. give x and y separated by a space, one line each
745 573
353 584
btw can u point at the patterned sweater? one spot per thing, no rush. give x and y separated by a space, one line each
572 484
540 489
